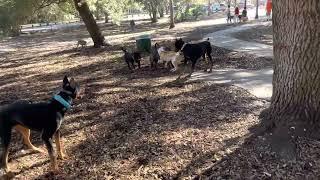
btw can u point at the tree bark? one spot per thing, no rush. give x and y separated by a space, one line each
209 8
167 9
161 11
171 14
88 19
154 18
106 17
295 103
257 10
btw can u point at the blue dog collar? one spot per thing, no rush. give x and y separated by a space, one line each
62 101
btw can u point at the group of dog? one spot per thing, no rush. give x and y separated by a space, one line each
191 52
47 117
236 18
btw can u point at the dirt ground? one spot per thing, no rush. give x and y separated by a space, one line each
260 34
146 124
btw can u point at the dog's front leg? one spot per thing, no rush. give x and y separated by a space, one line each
47 138
185 60
60 150
175 64
134 66
193 65
166 64
156 64
4 158
129 66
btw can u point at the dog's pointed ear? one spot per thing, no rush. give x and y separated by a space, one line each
65 81
73 83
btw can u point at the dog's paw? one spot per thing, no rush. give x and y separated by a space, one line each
38 150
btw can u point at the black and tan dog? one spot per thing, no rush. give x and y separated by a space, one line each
45 117
132 58
193 52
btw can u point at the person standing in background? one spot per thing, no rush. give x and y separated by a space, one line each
229 18
269 9
236 13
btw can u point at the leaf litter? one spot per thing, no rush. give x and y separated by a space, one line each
146 124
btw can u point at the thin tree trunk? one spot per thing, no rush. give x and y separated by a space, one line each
167 9
257 10
187 9
209 8
161 11
295 103
171 14
106 17
88 19
154 15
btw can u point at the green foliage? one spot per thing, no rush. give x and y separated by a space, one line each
55 13
114 8
13 13
197 11
152 7
186 10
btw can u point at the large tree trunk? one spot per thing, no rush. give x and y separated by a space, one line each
88 19
171 14
295 103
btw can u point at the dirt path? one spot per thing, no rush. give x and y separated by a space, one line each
260 34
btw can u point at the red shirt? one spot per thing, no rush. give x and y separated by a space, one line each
269 6
236 11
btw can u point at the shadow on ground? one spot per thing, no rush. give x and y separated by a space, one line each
140 125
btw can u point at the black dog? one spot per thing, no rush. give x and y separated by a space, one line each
46 117
132 58
154 56
230 18
193 52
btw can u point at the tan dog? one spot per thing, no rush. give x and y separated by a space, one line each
169 56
